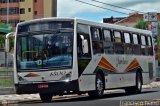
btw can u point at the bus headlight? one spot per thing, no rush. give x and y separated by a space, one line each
21 78
67 80
66 77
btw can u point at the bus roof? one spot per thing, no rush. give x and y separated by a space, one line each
114 26
92 23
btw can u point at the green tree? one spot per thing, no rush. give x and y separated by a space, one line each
2 41
141 24
11 44
3 33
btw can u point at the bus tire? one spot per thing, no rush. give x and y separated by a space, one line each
138 87
46 97
99 87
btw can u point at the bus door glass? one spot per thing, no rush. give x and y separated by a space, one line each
83 58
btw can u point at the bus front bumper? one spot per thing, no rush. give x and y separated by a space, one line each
51 87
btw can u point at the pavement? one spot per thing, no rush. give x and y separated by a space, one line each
14 98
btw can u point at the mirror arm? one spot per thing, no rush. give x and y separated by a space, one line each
9 35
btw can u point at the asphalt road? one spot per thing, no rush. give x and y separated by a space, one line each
113 99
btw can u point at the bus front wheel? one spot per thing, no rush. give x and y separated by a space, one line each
46 97
99 88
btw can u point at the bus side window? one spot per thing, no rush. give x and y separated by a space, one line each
118 45
108 44
128 45
144 49
96 34
97 42
136 44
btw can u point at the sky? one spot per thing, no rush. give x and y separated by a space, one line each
75 9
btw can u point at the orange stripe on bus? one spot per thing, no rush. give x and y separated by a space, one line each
132 65
105 64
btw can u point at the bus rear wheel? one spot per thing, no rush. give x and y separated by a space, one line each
46 97
138 87
99 88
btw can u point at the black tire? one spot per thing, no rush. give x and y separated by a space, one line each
46 97
99 88
138 87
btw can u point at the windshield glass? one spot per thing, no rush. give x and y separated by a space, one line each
45 50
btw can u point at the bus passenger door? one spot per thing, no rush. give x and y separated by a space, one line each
83 58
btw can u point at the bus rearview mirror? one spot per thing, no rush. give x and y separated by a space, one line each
84 44
7 45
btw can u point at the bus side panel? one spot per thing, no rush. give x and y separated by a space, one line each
123 76
119 80
147 65
87 82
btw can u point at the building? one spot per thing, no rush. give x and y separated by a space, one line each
14 11
129 21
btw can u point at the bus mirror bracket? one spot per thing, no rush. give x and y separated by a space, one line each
7 45
84 44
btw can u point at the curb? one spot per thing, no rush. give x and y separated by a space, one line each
152 85
5 91
34 99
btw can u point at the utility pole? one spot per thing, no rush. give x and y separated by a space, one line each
54 8
6 60
7 11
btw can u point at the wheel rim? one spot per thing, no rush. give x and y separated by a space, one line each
139 85
99 86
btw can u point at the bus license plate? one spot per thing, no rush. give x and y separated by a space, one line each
43 86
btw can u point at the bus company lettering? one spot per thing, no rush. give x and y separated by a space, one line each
121 61
58 73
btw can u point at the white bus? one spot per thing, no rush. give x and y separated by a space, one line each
58 56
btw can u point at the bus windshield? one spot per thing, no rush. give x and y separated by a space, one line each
45 49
